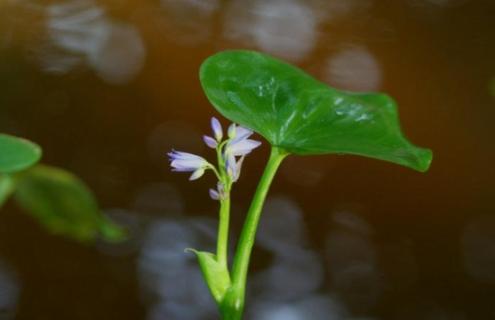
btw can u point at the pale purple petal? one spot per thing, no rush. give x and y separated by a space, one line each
217 128
214 194
242 147
242 133
179 155
180 168
183 161
210 142
230 165
197 174
238 166
184 164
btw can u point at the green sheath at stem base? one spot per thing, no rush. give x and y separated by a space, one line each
233 303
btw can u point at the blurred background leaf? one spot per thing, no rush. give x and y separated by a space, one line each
17 154
7 186
63 204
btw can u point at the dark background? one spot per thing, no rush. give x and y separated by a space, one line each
108 87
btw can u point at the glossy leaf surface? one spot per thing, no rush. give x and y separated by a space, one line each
63 204
301 115
17 154
216 275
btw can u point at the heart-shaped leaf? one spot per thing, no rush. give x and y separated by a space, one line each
63 204
17 154
301 115
216 275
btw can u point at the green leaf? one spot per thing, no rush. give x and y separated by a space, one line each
7 185
112 232
17 154
301 115
63 204
216 275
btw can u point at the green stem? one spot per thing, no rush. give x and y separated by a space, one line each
223 225
223 231
233 304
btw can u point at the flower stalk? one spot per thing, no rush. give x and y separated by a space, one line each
233 304
228 288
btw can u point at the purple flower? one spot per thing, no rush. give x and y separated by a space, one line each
240 145
217 133
242 133
210 142
218 193
234 167
214 194
230 165
188 162
234 149
217 129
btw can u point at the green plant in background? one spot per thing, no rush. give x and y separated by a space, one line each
60 201
297 115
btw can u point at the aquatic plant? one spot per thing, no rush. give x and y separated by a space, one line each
59 200
297 115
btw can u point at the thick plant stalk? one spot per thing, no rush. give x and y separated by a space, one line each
233 303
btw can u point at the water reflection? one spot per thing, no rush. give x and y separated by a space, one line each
315 307
288 288
305 171
352 262
170 278
478 248
9 292
189 21
354 68
80 32
158 198
286 28
271 235
333 10
437 3
132 224
423 308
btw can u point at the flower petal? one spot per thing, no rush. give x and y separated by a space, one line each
232 131
242 133
197 174
214 194
230 165
176 155
192 164
210 142
238 166
183 161
242 147
217 129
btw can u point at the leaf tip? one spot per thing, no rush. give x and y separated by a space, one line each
425 157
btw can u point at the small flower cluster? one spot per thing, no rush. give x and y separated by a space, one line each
230 155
